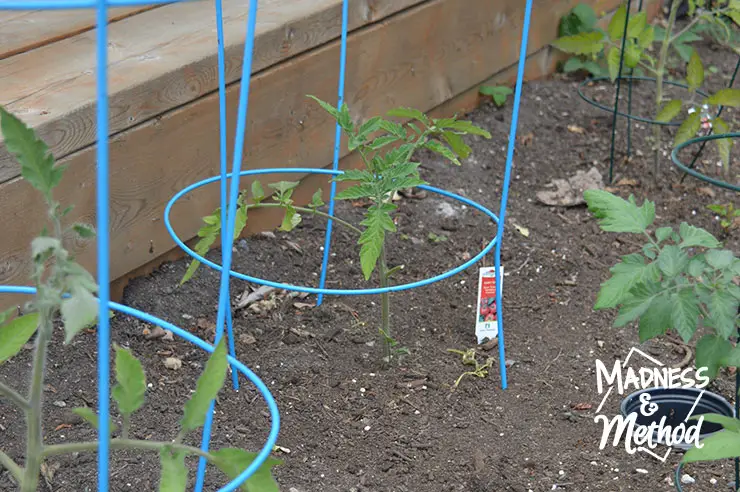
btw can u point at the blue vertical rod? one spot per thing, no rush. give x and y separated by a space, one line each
224 301
505 190
103 240
223 155
337 146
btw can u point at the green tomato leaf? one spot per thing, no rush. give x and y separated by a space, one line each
131 382
208 386
656 320
711 350
646 37
672 260
377 222
174 476
725 97
586 43
616 25
723 310
632 55
37 164
618 215
332 110
457 144
639 300
613 60
316 200
729 423
696 266
695 72
625 275
441 149
15 334
79 311
572 64
284 186
382 141
719 258
685 313
356 192
663 233
694 236
466 127
232 462
410 113
361 175
720 445
89 415
291 219
258 193
636 25
688 129
669 111
85 231
7 314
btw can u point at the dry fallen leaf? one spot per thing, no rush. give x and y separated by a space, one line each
303 305
576 129
522 230
582 406
173 363
627 182
526 140
62 426
706 191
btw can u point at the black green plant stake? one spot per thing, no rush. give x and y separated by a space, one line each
629 95
616 97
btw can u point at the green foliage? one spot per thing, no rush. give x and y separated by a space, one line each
14 335
129 392
680 280
63 287
728 215
499 93
232 462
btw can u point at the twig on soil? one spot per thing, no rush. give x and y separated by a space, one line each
321 347
688 353
399 454
553 361
522 265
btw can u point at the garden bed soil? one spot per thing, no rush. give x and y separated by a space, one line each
352 426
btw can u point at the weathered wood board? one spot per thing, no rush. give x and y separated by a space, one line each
160 60
26 30
421 57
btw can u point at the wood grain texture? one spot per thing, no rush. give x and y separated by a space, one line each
25 30
422 58
159 60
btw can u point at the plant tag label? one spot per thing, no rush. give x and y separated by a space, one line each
486 318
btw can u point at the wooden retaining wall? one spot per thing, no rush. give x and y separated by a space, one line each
427 54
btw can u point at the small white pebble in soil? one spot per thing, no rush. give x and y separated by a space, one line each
502 434
594 463
561 473
713 481
693 212
362 390
687 479
416 412
150 385
321 248
354 380
367 428
641 470
462 282
372 374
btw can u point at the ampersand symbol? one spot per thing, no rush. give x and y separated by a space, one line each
647 407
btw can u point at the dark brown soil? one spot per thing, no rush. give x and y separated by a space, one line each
352 426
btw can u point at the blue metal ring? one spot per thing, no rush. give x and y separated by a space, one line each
314 290
627 115
261 387
697 174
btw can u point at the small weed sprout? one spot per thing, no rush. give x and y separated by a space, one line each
498 93
729 216
581 37
469 358
387 149
64 287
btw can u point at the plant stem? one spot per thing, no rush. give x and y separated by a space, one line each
660 74
34 436
14 396
11 466
125 425
385 307
308 211
118 444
